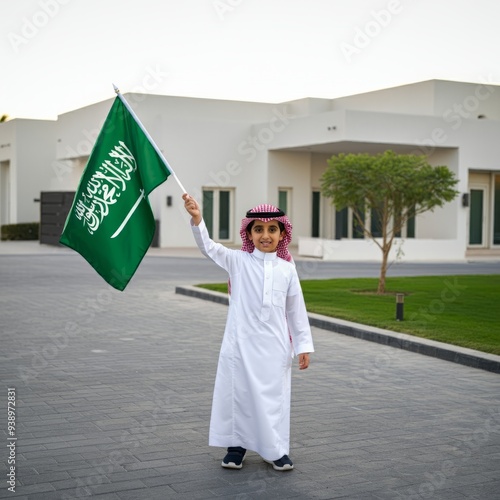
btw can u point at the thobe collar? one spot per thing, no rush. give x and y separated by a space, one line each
264 255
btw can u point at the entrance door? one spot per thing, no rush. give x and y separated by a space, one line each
477 216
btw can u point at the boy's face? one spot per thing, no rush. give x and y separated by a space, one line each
265 235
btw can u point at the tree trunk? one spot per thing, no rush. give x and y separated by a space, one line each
383 270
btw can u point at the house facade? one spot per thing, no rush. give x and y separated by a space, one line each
234 155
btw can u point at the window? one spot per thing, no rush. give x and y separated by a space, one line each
347 226
408 229
208 211
342 223
410 224
357 228
376 221
217 213
284 199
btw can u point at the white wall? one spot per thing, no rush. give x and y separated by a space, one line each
8 184
442 222
77 130
366 250
456 101
28 151
35 153
414 99
205 155
304 131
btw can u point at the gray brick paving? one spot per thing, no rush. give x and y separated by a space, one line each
448 352
114 392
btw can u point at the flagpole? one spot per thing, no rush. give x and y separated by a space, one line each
156 148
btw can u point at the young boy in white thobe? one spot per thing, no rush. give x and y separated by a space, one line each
267 323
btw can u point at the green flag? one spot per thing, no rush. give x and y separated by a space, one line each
111 223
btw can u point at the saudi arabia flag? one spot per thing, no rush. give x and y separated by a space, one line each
111 223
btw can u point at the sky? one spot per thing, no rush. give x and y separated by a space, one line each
60 55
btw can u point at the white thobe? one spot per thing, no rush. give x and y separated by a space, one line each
267 323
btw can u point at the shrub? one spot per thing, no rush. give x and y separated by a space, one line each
23 231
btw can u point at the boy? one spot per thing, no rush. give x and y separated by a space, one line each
267 322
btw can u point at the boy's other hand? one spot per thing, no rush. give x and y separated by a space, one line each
303 360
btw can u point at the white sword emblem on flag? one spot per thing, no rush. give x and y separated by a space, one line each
132 210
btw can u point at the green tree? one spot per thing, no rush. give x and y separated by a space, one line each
392 187
4 118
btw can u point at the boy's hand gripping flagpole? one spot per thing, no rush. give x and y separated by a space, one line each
156 148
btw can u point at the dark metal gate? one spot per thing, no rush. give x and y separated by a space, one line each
54 208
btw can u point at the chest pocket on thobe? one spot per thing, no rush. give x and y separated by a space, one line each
274 292
279 297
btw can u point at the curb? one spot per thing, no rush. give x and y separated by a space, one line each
440 350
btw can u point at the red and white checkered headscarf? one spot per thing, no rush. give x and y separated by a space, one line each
266 213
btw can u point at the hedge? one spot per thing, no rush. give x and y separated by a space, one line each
24 231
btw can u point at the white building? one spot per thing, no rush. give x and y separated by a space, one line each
234 155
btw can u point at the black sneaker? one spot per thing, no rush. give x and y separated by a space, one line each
234 458
284 463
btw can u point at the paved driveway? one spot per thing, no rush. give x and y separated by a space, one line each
113 393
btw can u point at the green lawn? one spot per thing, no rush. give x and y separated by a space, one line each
460 310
